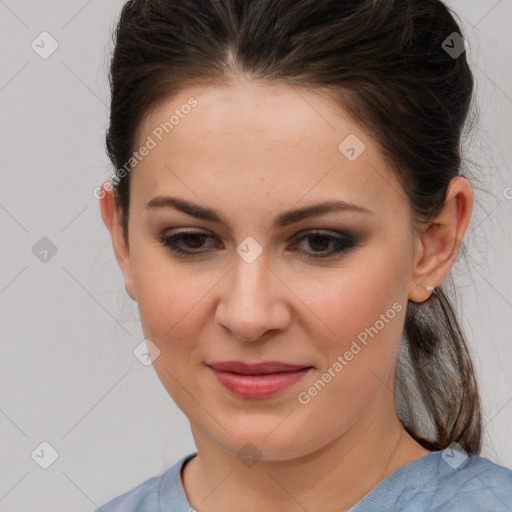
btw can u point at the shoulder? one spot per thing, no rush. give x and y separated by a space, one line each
152 495
445 481
467 483
145 497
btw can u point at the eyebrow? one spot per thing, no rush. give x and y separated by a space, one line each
284 219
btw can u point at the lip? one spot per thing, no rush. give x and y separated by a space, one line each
260 380
256 368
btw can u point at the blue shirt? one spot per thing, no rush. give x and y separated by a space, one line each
440 481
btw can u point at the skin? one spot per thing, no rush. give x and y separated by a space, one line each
251 151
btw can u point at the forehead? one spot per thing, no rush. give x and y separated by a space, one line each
275 112
257 139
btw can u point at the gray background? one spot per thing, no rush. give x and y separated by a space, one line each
68 329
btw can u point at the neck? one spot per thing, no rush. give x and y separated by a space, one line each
333 478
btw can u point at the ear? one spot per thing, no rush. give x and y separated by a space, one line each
111 218
439 244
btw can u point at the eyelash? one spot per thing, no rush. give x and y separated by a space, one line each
344 243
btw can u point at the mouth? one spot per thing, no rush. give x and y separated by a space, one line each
259 380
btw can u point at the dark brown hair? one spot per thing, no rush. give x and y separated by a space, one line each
387 64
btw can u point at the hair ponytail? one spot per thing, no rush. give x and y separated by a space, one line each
435 361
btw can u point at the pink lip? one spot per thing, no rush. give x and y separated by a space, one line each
257 380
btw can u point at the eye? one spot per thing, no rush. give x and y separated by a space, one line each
319 241
187 243
193 239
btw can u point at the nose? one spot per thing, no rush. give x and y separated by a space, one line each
254 301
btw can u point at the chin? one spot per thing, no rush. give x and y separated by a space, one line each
264 444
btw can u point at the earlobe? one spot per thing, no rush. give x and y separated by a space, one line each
110 216
440 243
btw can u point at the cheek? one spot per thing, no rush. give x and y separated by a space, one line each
168 297
360 303
171 305
357 326
358 336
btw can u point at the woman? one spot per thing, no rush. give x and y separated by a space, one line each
288 200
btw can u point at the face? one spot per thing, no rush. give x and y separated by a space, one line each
327 292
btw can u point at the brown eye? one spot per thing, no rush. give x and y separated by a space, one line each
185 243
320 241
